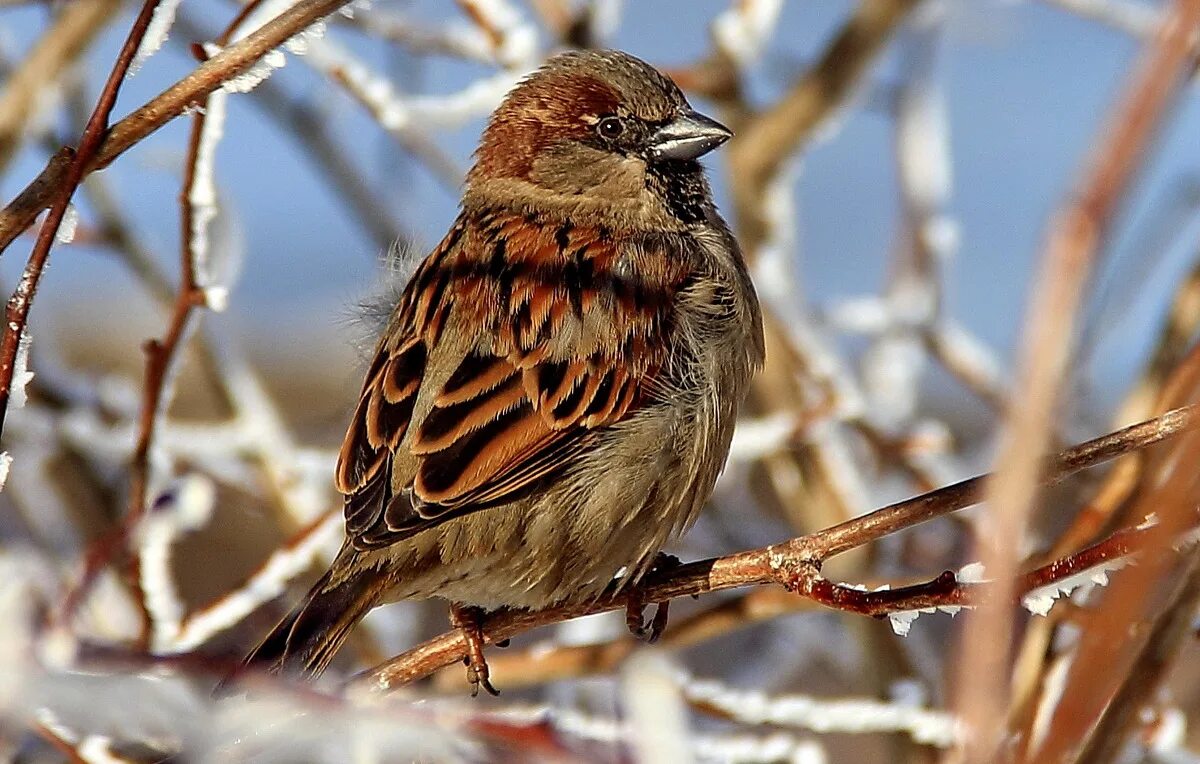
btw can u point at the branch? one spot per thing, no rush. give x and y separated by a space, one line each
25 89
163 355
188 92
795 562
1072 248
1136 18
1129 630
17 312
765 143
1037 589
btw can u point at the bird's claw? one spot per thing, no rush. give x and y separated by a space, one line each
651 631
468 620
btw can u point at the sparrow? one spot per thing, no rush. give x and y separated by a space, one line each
554 394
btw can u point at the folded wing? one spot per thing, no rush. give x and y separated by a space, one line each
572 330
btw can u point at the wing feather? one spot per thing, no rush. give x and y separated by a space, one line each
573 328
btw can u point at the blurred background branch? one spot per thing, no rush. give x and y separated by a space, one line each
162 502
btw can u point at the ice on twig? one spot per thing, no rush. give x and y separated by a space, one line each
1039 601
184 506
253 77
854 715
971 573
21 376
902 620
742 31
216 298
156 33
214 257
68 225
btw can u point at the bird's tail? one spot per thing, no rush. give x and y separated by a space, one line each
302 645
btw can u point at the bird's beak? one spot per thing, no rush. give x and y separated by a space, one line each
689 136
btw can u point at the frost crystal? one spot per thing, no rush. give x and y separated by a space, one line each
202 196
1040 600
156 33
742 30
216 298
902 620
971 573
22 376
351 9
66 229
252 77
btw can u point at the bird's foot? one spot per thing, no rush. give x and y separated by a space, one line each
636 604
469 620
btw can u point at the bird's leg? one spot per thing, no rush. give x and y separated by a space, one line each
469 620
636 603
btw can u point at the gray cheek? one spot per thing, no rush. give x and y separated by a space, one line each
572 168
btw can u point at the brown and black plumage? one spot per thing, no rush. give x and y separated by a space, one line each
555 392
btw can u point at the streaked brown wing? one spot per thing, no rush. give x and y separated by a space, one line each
574 328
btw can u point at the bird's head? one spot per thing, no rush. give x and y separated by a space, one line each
598 128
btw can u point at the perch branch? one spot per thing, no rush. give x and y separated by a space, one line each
803 556
543 663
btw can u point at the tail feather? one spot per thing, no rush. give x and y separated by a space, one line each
302 645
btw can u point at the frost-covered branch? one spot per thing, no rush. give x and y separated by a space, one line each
187 93
91 143
1071 251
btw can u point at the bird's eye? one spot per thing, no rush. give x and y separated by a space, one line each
610 127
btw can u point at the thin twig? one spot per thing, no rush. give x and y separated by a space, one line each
162 355
1175 336
1113 633
17 312
24 90
763 146
188 92
1074 244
